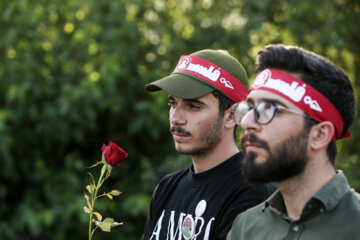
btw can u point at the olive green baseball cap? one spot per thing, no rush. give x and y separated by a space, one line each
203 72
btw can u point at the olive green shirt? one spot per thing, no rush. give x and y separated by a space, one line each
332 213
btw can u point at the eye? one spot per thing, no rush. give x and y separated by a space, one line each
194 106
266 108
171 103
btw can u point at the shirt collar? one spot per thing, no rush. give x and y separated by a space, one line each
331 194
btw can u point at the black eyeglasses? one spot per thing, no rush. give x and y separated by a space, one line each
264 111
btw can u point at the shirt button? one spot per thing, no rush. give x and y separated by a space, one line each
321 209
295 228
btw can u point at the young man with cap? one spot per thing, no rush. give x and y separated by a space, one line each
202 201
297 107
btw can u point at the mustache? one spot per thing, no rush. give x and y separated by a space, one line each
179 130
252 138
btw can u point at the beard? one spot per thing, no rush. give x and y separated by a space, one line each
288 159
208 139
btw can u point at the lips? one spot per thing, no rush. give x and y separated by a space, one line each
179 137
251 146
252 142
179 133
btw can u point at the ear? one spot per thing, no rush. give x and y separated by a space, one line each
321 135
229 121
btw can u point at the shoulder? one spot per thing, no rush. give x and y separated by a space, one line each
234 177
357 196
348 199
351 201
253 214
247 221
174 176
242 191
257 192
170 181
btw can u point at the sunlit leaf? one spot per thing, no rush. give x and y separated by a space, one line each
110 196
87 200
92 179
114 224
94 165
86 210
115 192
98 216
89 188
106 224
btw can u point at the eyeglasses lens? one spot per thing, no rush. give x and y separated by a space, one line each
265 112
240 111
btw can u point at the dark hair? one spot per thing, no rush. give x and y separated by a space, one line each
318 72
224 104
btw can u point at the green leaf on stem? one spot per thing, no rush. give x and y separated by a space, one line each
115 192
94 165
103 169
92 179
103 159
109 168
87 210
114 224
87 200
98 216
106 224
90 188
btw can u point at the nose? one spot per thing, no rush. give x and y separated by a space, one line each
176 116
248 122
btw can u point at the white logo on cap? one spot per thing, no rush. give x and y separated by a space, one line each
292 90
183 63
227 83
210 73
261 79
312 103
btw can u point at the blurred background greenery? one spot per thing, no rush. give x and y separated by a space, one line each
72 74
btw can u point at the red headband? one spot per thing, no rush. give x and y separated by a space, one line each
214 75
307 98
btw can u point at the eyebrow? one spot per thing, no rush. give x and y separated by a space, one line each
195 100
275 101
192 100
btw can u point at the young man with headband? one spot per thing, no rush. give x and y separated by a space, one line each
202 201
297 108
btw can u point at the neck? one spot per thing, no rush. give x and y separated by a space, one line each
298 190
223 151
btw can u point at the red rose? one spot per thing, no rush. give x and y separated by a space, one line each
113 154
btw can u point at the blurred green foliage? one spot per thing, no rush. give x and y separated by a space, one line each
72 75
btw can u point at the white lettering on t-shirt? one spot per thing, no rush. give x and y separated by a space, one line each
207 231
201 220
171 235
176 234
157 229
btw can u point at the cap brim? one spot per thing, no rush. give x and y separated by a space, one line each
181 86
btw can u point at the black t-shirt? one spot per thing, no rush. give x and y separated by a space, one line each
212 199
